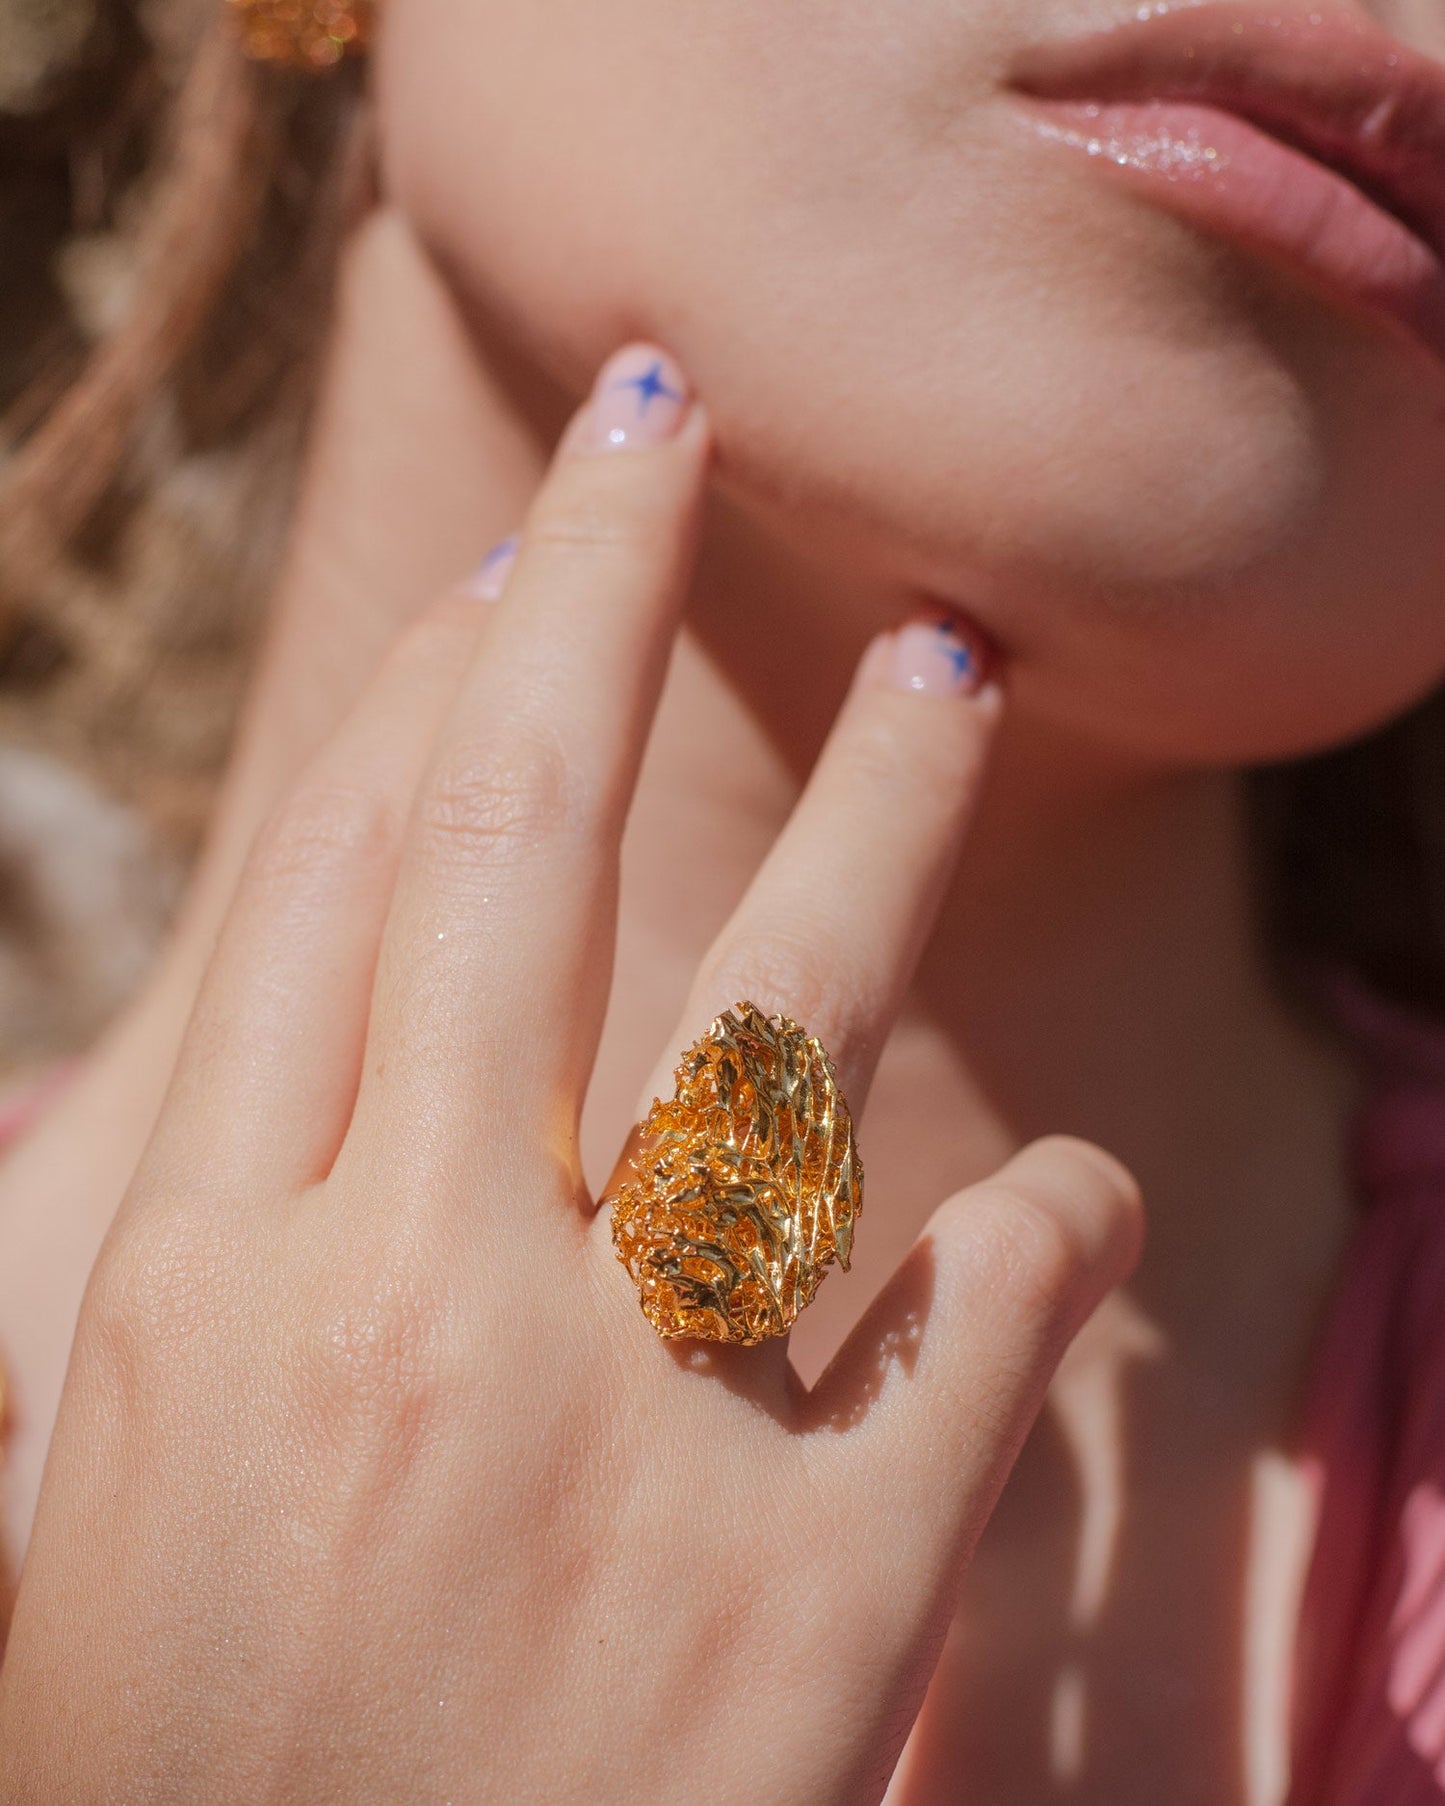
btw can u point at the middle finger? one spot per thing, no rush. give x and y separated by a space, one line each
497 955
832 926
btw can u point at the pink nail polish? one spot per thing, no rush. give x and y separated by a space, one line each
489 580
938 657
641 398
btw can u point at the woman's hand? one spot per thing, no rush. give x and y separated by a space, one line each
371 1481
416 451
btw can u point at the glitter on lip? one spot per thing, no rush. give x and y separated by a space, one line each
1327 134
1192 152
1218 171
1334 85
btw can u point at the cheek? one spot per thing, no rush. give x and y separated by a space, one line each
1204 510
1332 626
566 164
1332 631
1234 688
903 329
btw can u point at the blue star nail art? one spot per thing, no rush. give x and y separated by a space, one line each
504 549
957 650
650 387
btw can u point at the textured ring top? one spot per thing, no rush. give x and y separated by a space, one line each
744 1188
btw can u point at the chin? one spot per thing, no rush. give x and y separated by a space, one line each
1198 507
1228 566
1164 709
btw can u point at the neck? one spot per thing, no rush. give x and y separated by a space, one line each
1097 969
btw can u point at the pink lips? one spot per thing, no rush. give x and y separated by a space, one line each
1312 136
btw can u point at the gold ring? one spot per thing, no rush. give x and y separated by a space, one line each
733 1199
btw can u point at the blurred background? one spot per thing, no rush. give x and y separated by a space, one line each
163 268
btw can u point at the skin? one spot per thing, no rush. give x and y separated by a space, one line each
1164 476
1095 965
362 1216
1192 499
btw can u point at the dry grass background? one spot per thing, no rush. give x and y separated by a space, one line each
124 643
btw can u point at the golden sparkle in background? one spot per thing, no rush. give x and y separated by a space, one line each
304 34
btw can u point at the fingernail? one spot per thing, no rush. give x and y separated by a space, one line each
641 398
489 579
939 656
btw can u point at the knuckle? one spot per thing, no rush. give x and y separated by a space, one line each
1058 1226
322 829
588 533
496 799
1034 1255
1099 1195
878 754
597 508
444 630
901 754
159 1283
801 976
374 1361
1108 1182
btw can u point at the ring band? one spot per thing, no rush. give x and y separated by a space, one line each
737 1195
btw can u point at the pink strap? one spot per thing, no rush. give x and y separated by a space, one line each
1370 1669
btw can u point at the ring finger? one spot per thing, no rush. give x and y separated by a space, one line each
831 928
497 955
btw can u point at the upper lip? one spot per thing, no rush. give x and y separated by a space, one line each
1329 83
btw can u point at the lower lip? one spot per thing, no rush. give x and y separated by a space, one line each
1228 176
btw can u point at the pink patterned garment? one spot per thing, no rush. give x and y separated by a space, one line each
1370 1670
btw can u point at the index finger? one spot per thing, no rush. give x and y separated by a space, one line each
497 956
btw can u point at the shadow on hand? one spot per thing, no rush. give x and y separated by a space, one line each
889 1336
